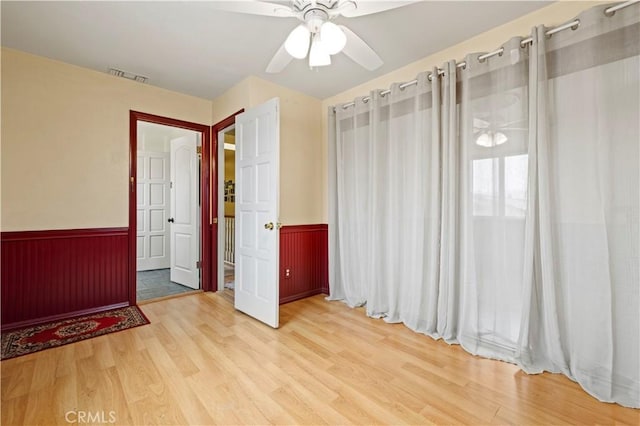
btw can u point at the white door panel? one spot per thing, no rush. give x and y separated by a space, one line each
184 211
157 220
140 251
257 230
152 210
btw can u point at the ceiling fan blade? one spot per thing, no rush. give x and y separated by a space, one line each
360 51
279 61
368 7
479 123
511 123
254 7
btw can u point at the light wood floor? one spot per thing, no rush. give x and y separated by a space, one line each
200 362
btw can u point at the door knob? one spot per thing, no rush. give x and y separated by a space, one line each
269 226
170 220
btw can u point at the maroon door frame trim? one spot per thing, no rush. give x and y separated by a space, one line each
134 117
213 228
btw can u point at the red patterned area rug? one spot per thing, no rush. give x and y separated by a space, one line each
33 339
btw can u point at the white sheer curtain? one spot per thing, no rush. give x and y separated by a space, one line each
494 116
583 304
498 206
352 210
386 163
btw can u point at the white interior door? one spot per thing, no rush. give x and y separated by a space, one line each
153 211
257 194
184 212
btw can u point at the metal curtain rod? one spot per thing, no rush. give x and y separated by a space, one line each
573 25
610 11
524 43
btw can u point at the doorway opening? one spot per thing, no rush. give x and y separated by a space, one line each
223 201
226 209
168 207
168 227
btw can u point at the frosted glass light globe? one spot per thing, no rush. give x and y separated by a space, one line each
297 43
318 55
332 37
491 139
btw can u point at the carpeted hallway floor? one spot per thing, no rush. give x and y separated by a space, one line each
157 283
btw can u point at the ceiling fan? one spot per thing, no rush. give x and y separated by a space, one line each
490 134
317 36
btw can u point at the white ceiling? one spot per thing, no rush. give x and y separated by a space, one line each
194 48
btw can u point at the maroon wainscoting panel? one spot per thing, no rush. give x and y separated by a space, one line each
48 275
303 252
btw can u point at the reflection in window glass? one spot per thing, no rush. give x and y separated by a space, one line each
485 187
516 169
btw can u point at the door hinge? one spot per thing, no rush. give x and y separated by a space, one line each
199 265
199 149
215 220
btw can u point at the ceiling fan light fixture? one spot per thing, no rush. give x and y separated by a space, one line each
297 43
490 139
333 38
499 138
318 55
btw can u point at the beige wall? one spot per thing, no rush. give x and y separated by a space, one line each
65 131
232 101
65 141
301 148
554 14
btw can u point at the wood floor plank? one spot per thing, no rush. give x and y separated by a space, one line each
190 406
41 409
178 357
299 410
13 410
355 405
115 400
201 362
17 376
442 396
139 376
65 364
44 370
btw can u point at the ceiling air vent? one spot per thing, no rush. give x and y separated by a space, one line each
128 75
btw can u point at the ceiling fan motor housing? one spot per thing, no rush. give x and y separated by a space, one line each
302 5
314 18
